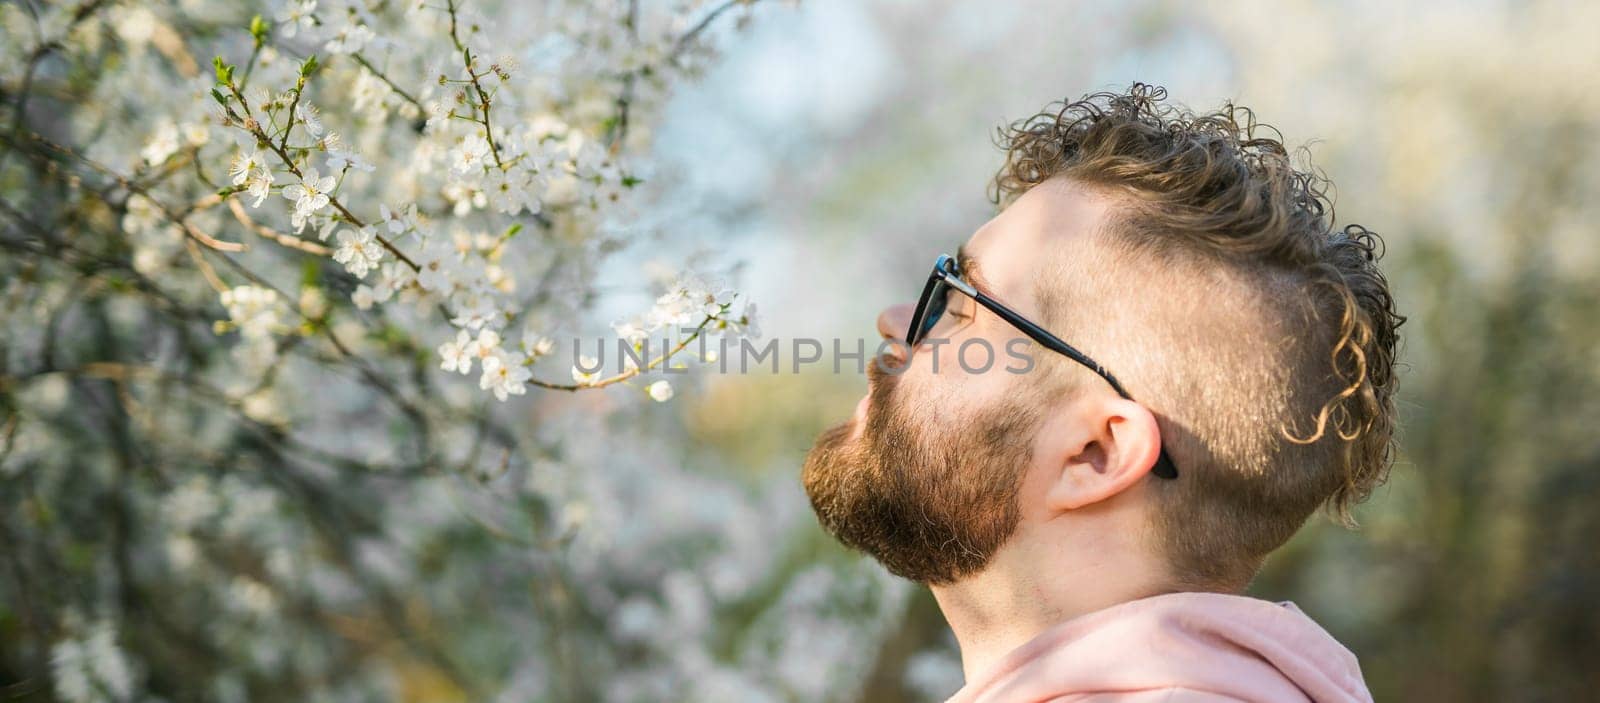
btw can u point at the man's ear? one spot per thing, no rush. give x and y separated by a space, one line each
1112 445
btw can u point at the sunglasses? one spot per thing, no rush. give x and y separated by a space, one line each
935 303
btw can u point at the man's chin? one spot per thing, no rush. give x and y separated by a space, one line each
826 472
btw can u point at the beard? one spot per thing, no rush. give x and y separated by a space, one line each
931 503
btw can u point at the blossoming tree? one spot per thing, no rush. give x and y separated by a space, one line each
237 457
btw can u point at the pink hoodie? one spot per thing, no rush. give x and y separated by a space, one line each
1177 647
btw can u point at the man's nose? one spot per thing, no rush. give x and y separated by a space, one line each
895 320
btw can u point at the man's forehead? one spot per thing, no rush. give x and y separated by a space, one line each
1042 228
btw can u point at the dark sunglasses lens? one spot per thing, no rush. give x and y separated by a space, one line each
937 300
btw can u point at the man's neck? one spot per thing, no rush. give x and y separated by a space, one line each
1019 595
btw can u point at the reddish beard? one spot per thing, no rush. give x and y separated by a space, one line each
932 504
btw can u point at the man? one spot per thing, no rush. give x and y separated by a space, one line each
1211 361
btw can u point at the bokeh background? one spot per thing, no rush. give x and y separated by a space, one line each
635 551
861 135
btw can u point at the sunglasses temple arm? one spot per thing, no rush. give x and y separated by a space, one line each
1049 341
1163 468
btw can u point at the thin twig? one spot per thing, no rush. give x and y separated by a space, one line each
209 273
287 240
294 105
630 373
618 134
683 42
483 97
385 78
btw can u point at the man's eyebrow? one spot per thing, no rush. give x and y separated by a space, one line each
971 272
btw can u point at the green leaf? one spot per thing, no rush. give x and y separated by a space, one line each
310 66
258 29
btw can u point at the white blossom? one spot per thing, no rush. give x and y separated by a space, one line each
364 297
486 344
313 302
92 669
163 144
311 193
476 310
260 186
469 157
587 157
69 667
688 302
392 277
368 94
457 355
399 222
245 165
744 325
438 116
182 551
350 39
310 118
610 191
329 225
359 251
437 266
191 503
535 346
252 596
504 376
296 16
142 216
660 391
253 310
633 330
512 190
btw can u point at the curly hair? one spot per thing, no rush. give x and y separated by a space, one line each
1311 422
